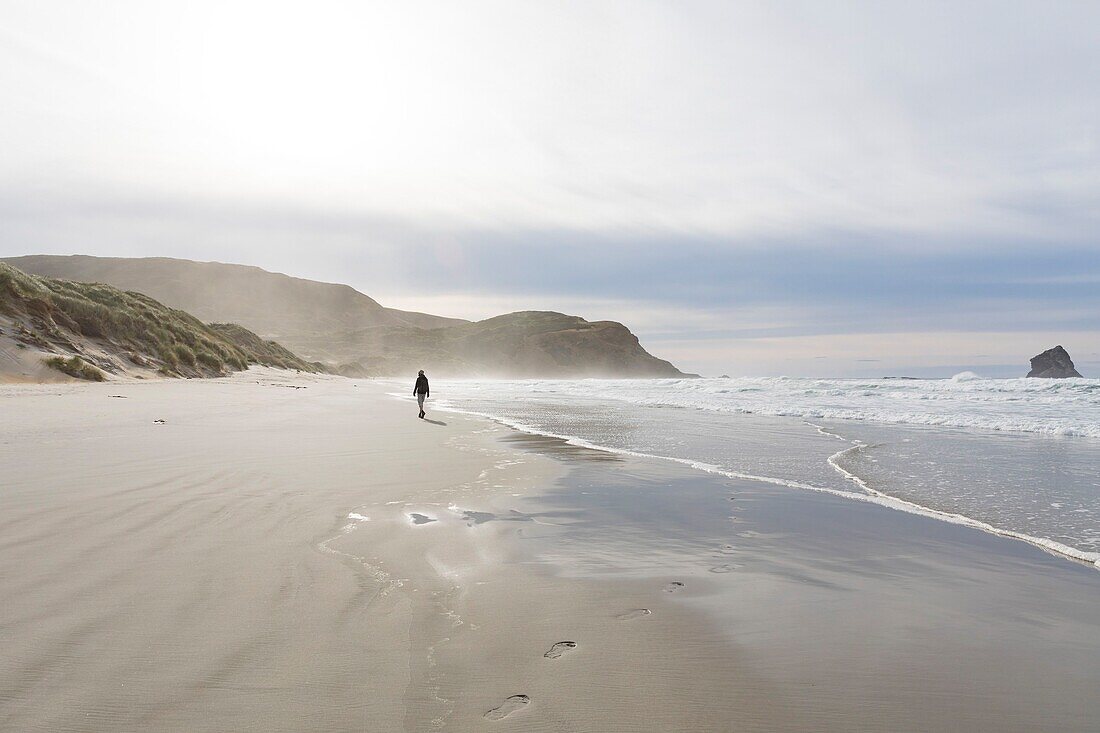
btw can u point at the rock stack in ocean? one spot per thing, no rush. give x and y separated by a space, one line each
1053 364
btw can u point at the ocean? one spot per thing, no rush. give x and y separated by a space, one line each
1016 457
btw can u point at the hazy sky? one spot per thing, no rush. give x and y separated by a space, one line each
802 188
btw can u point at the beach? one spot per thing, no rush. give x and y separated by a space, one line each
283 552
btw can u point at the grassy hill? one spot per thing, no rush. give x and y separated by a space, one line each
268 303
523 344
85 329
356 335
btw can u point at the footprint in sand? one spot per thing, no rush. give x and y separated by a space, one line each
420 518
473 517
636 613
509 706
674 586
560 648
729 568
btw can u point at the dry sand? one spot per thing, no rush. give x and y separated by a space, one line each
22 363
291 553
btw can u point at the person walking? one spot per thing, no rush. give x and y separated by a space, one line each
420 389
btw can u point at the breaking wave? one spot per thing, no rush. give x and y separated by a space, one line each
1069 407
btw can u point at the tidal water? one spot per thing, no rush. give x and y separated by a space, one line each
1016 457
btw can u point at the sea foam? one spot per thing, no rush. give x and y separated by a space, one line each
1069 407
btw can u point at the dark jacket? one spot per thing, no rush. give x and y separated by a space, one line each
421 386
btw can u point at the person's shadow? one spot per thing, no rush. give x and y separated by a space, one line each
434 422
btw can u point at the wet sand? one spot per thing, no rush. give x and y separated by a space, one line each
847 616
317 559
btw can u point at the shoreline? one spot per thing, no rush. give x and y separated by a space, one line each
1058 549
316 558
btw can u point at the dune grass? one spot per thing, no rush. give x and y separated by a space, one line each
60 312
76 367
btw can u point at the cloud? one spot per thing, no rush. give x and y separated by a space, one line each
728 120
831 283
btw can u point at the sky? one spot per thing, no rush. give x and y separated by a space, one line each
802 188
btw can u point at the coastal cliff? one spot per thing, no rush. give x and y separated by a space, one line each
357 336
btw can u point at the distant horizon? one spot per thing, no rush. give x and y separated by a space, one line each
1006 370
